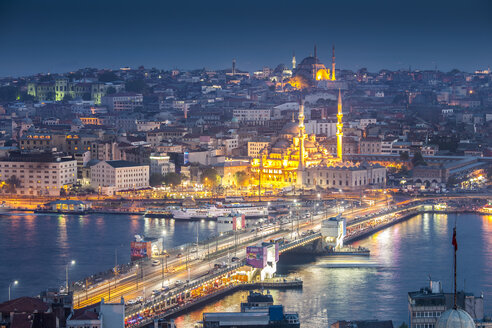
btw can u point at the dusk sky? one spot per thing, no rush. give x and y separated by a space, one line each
60 35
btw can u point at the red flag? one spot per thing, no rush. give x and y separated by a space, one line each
454 242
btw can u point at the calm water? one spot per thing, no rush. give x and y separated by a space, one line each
35 248
402 258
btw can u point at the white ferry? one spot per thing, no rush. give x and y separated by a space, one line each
212 212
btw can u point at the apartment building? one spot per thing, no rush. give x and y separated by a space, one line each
109 177
254 147
39 174
252 116
370 145
123 102
322 127
161 164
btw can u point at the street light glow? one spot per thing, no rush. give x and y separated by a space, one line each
16 282
73 262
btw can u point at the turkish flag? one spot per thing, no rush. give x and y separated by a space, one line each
454 242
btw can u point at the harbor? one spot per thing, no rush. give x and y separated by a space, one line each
291 236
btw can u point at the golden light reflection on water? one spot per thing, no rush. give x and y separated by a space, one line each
82 220
62 235
30 227
487 229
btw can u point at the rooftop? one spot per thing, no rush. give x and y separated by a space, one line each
121 163
24 305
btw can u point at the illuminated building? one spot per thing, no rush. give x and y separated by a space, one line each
109 177
61 87
39 174
311 70
299 159
339 127
161 164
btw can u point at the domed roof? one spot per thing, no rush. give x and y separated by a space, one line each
281 143
455 318
279 69
309 61
290 128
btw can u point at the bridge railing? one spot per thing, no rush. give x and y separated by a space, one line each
191 285
297 242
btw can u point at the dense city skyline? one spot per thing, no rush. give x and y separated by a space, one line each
163 163
57 37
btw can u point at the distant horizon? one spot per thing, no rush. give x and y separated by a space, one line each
238 67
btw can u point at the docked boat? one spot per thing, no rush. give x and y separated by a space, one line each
192 213
66 207
160 213
213 211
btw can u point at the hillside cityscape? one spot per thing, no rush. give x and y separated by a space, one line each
312 192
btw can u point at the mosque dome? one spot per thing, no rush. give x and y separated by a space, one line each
290 128
279 69
308 62
455 318
234 120
281 143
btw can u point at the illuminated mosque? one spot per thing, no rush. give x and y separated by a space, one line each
311 70
298 159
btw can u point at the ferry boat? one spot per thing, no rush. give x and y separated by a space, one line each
213 211
161 213
191 213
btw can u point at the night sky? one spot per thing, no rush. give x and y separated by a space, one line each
64 35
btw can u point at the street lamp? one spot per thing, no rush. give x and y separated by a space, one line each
15 282
136 273
66 273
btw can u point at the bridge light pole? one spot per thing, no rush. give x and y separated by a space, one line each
15 282
136 274
66 273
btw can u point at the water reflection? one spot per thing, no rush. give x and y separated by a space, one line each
35 247
402 258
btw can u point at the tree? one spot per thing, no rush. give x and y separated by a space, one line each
86 96
452 181
67 97
111 91
210 177
404 156
172 179
418 159
156 179
403 325
135 86
241 177
63 192
108 76
50 96
11 184
24 96
8 93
